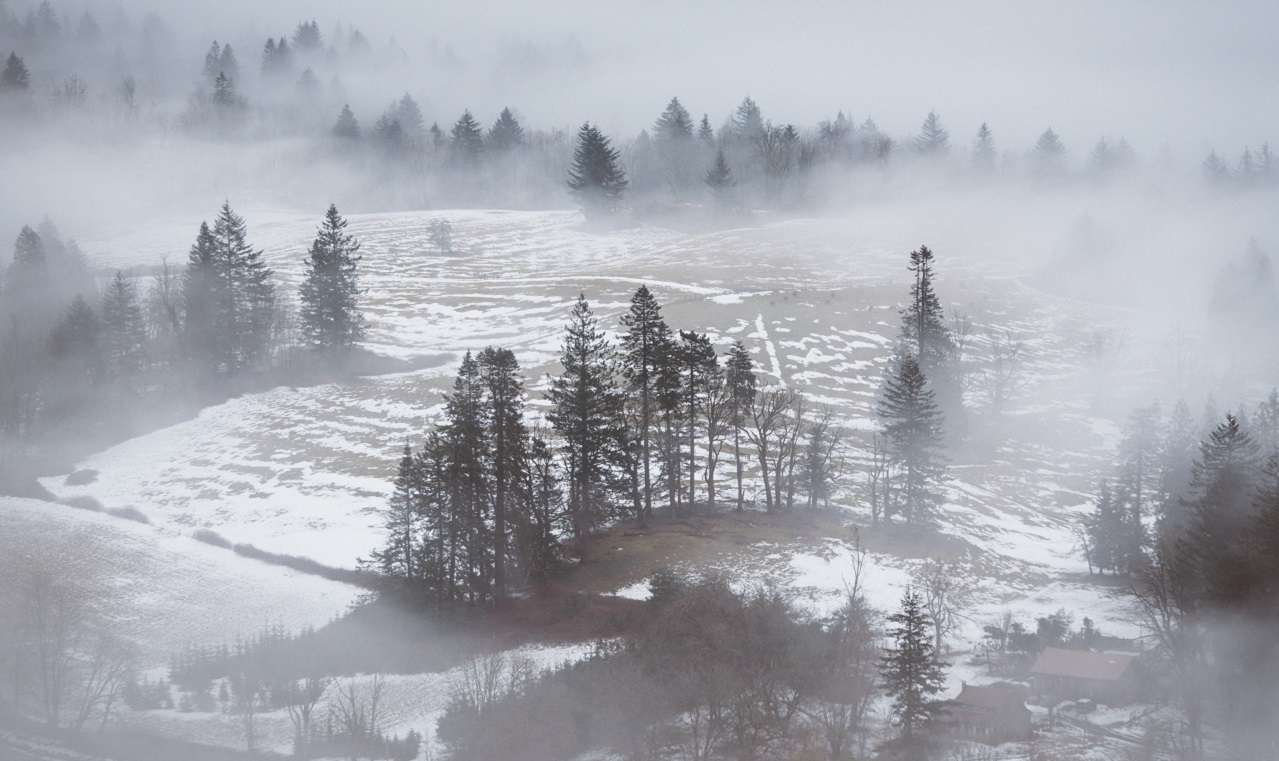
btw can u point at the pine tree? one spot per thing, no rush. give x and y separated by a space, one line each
646 350
698 367
933 139
509 454
596 180
223 91
1222 485
15 78
913 677
228 64
1050 153
506 133
585 412
123 330
347 128
398 557
719 179
332 323
1215 169
705 133
748 122
984 154
213 61
307 37
739 373
674 124
913 427
467 436
467 140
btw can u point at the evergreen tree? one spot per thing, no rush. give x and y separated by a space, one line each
719 179
467 140
748 122
213 61
228 64
15 78
1102 160
1215 169
409 115
506 133
223 91
1263 536
1246 171
1222 485
913 427
389 136
913 677
76 344
307 37
347 128
27 278
585 412
509 453
1114 538
924 327
739 373
933 139
331 319
398 557
984 154
646 352
596 180
204 300
123 330
698 367
467 436
674 124
1139 461
1050 153
705 133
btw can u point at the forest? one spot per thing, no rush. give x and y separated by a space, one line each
386 384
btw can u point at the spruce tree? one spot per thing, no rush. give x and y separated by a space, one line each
585 412
706 133
739 372
933 139
748 122
698 367
27 277
913 428
646 352
596 180
409 115
1050 154
307 36
467 436
984 154
123 331
213 61
913 677
332 323
15 78
506 133
228 64
1222 485
674 124
347 128
223 91
719 179
76 343
467 140
397 558
509 453
251 294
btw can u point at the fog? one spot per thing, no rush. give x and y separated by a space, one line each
1126 194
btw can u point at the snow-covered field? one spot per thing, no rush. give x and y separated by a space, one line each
305 471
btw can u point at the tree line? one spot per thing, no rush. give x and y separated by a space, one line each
77 360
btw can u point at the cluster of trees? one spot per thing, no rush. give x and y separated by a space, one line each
1252 170
484 503
59 659
714 673
1206 584
75 358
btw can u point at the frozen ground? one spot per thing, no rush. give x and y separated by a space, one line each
305 471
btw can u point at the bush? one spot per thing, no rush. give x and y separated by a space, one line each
129 513
211 537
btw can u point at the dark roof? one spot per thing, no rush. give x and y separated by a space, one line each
1080 664
994 697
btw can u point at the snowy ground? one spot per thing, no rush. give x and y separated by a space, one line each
306 471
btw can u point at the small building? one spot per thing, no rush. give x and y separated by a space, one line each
992 714
1108 678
